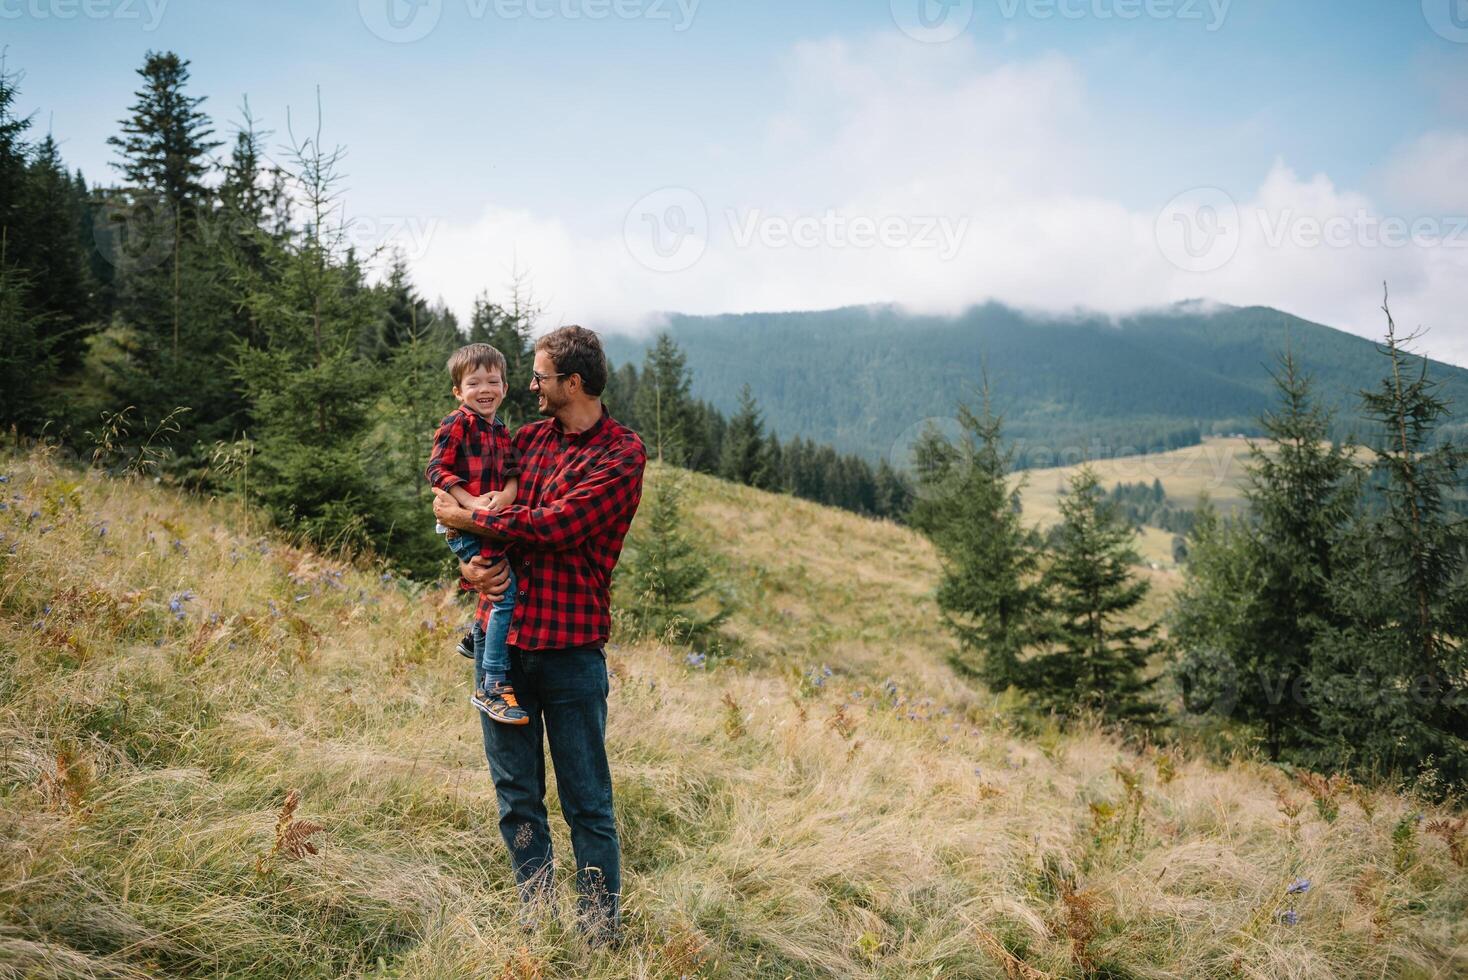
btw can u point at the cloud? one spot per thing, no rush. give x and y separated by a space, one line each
977 179
1430 174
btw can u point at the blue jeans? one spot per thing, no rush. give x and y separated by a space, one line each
565 694
465 546
491 651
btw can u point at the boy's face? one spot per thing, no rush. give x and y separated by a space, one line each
481 391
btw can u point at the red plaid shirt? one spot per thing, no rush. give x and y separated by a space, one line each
577 497
472 451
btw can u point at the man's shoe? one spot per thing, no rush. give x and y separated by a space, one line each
466 646
500 704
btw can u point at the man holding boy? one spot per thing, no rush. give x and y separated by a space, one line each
580 484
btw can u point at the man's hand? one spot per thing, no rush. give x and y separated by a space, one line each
490 577
448 512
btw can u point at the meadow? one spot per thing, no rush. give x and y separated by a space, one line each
228 755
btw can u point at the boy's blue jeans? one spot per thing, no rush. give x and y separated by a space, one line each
491 651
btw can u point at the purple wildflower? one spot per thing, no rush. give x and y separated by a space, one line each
1289 917
176 603
1298 887
696 660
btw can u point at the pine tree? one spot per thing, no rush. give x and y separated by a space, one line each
508 329
620 397
14 154
25 361
1392 679
664 405
54 256
1301 495
1211 618
989 593
663 579
746 456
893 493
165 147
310 391
1098 659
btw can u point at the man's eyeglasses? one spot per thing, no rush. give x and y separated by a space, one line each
536 377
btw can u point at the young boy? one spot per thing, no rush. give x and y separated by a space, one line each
473 462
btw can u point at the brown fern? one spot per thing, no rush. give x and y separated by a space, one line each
1451 832
292 836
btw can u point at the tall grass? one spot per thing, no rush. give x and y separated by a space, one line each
186 702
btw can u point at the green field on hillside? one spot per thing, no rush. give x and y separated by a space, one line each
825 798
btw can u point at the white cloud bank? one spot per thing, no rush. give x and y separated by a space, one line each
926 176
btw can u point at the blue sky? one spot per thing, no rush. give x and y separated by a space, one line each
1051 138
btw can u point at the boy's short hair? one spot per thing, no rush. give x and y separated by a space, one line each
472 357
576 350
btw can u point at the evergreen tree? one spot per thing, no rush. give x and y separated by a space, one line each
1392 677
664 405
663 579
989 594
892 491
310 391
620 397
1097 660
14 154
54 256
508 329
1301 495
165 145
710 425
746 457
1211 618
25 361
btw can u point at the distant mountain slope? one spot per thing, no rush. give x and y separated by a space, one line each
861 378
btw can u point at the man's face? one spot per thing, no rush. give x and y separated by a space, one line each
550 394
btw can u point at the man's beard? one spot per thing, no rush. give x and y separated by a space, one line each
547 406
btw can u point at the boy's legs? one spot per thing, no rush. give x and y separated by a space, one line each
465 548
494 655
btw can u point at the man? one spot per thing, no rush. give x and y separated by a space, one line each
580 483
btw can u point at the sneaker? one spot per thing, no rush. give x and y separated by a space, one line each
500 704
466 646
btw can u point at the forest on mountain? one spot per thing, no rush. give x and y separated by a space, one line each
865 379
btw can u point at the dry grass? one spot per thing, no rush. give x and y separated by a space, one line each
882 821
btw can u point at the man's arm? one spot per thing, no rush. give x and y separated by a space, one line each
608 490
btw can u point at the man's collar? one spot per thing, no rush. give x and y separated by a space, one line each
586 435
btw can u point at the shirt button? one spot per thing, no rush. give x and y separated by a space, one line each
522 593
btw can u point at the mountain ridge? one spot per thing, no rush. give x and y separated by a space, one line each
862 378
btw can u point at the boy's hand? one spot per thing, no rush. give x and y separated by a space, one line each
498 501
485 501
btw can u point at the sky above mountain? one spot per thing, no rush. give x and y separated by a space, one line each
704 156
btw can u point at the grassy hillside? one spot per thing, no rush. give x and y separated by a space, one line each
864 379
170 674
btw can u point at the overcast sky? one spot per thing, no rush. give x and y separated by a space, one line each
708 156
